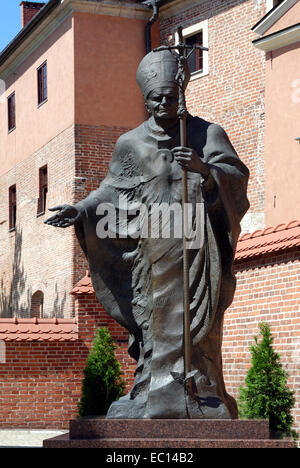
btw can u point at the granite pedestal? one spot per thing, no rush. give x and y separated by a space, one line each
167 433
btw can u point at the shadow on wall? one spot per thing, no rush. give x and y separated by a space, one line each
59 304
12 300
16 296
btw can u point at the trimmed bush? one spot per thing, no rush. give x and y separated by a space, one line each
102 383
266 394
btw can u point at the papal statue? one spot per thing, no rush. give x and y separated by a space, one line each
139 278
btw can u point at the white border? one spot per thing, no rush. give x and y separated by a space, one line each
190 31
269 5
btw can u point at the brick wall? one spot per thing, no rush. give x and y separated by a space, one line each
36 257
232 94
40 382
267 291
94 146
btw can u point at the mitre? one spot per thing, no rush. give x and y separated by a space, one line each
159 69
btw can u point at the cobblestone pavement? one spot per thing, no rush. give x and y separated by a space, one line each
25 438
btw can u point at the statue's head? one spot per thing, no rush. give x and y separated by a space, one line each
156 77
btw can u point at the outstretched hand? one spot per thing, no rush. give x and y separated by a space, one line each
67 216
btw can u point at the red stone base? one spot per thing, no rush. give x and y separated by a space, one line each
167 433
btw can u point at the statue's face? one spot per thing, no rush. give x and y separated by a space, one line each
162 103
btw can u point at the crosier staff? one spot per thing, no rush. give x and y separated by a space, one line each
182 57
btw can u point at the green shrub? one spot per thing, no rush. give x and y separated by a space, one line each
266 394
102 383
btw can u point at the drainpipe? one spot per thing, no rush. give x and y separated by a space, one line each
154 5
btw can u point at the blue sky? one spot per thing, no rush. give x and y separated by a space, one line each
10 21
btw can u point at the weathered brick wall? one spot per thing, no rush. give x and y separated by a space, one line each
268 290
93 150
35 256
232 94
40 382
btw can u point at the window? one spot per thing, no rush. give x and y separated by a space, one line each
43 189
42 83
12 207
197 34
11 109
37 303
195 61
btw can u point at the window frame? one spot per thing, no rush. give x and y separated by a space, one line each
12 207
191 31
9 98
42 84
270 4
43 190
197 55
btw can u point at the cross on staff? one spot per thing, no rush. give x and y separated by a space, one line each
182 55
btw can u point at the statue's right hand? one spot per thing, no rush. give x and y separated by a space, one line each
67 216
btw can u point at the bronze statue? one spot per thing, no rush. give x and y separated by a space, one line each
139 278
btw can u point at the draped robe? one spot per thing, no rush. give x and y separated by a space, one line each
139 281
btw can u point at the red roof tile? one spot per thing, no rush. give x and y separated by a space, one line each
84 286
33 329
260 242
272 239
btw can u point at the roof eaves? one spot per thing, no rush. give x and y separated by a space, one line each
34 329
278 39
30 26
272 240
272 16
